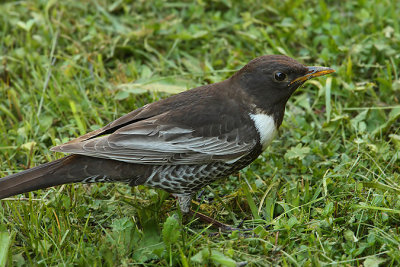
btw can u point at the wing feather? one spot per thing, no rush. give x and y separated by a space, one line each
152 141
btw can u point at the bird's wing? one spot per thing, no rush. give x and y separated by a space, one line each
136 115
157 141
175 102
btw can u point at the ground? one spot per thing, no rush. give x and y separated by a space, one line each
326 192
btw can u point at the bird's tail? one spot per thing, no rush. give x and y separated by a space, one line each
70 169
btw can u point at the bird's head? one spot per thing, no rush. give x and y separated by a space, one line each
270 80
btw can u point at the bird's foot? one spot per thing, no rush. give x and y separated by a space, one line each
217 224
184 202
214 223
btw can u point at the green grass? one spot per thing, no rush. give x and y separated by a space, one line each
326 192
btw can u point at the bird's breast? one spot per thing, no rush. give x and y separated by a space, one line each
266 128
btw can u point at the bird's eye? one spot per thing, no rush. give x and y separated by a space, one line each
280 76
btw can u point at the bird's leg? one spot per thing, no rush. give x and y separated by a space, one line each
185 201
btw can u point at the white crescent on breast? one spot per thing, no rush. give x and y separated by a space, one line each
266 128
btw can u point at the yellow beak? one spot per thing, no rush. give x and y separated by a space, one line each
312 73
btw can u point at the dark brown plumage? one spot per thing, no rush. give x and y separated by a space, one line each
183 142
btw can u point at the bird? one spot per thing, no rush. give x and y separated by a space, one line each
181 143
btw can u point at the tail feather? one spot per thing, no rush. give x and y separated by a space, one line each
72 169
42 176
